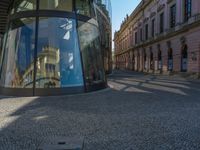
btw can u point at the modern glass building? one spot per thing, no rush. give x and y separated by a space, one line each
54 47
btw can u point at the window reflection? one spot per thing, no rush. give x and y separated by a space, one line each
105 6
23 5
17 68
58 60
64 5
85 7
91 53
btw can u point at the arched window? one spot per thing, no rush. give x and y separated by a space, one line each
159 59
145 60
170 59
151 56
170 53
145 56
133 62
159 55
151 61
184 51
184 57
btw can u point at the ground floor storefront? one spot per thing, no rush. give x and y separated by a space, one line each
178 53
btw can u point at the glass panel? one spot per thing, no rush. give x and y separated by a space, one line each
91 52
23 5
84 7
2 53
58 60
106 41
64 5
105 6
18 64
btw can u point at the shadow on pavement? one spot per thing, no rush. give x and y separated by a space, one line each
135 113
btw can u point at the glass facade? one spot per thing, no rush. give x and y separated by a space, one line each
58 44
19 54
92 60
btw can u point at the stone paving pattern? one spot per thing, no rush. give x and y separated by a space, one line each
137 112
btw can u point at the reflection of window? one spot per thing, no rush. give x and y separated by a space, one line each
84 7
50 67
64 5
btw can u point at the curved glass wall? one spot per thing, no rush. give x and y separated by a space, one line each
55 47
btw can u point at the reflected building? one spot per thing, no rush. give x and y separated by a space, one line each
54 47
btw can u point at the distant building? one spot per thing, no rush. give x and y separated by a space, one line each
160 36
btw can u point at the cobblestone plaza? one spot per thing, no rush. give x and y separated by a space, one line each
137 112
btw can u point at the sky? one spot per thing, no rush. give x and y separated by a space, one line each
119 10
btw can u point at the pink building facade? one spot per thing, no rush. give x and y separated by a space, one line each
161 36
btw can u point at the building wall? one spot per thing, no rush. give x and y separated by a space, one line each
131 41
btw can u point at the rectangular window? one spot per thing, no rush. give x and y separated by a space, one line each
135 37
161 22
188 9
141 35
153 28
146 31
173 16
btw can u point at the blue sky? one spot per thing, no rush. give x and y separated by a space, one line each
119 10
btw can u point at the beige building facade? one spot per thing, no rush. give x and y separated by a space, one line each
160 36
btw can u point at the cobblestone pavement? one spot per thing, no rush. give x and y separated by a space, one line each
137 112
